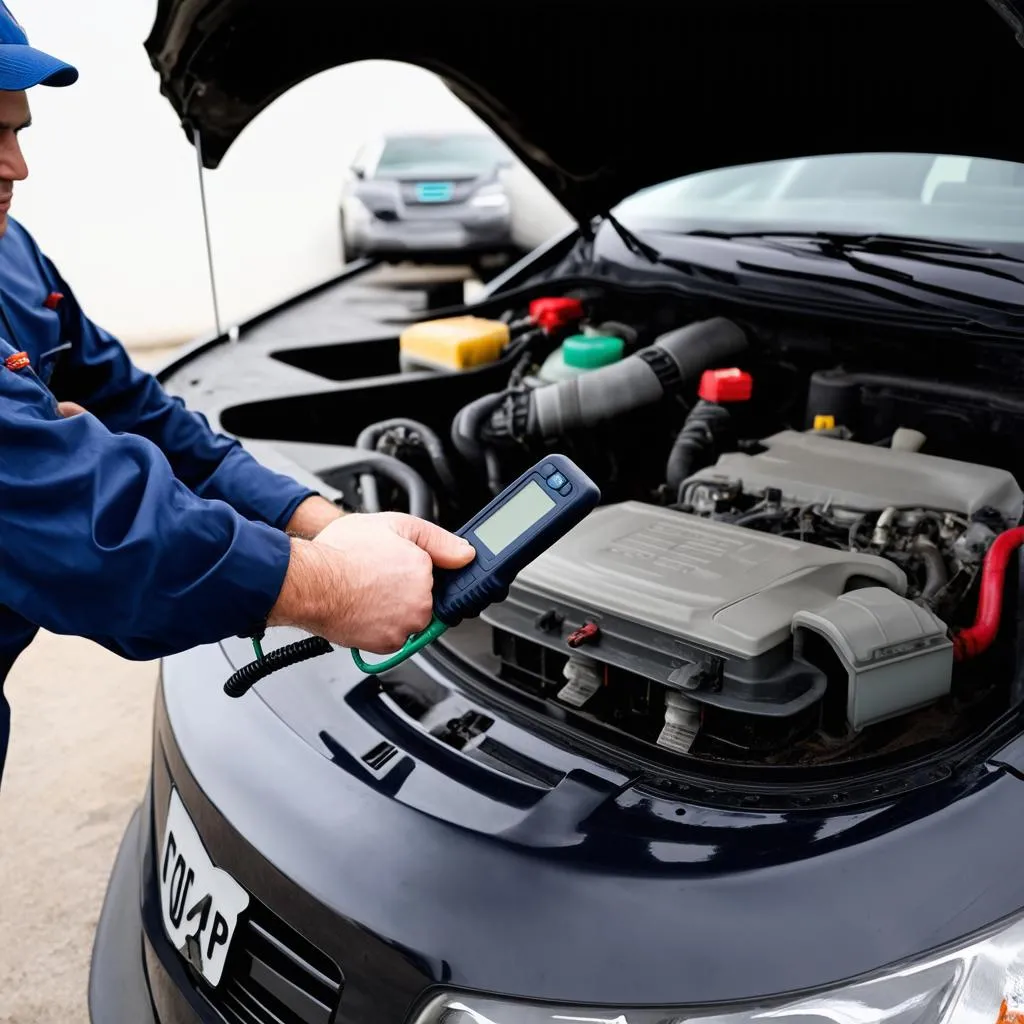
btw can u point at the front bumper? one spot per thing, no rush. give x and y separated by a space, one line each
416 235
118 985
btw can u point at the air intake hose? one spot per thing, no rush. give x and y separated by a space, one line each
704 430
638 380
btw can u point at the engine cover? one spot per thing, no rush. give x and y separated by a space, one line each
695 604
809 468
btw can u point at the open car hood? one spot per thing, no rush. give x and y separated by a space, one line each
602 100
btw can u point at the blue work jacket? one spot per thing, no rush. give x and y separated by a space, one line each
134 525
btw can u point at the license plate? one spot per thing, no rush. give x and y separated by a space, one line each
434 191
200 902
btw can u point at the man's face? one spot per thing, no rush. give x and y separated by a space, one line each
14 116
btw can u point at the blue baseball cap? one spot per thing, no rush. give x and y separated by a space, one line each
22 66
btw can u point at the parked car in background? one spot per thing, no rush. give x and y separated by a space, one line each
427 196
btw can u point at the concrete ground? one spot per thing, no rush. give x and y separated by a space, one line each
75 771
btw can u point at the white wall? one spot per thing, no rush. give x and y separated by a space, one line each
113 195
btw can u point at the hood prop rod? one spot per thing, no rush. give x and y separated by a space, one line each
198 143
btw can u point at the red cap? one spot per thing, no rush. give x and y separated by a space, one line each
726 386
53 300
552 313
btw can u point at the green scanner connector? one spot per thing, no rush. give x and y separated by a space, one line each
415 643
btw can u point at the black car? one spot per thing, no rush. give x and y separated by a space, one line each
746 745
427 196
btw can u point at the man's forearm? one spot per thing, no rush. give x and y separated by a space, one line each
312 516
311 590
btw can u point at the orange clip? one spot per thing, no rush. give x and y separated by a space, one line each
18 361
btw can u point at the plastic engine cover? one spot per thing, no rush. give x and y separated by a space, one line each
807 468
676 596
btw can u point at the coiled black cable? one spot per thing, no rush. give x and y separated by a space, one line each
291 654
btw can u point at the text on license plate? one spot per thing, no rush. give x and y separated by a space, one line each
200 902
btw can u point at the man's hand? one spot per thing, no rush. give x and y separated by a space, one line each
312 516
366 579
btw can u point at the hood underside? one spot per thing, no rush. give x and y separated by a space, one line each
602 100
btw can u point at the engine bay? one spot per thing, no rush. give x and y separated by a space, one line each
806 553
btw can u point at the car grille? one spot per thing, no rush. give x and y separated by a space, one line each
274 976
455 192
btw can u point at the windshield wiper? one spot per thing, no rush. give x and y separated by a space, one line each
844 245
1007 313
637 246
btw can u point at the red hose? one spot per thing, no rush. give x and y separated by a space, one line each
972 641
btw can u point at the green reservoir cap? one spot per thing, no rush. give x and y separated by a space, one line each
589 351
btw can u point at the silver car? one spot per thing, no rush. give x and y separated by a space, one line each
427 196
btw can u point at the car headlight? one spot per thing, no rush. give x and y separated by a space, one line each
981 983
490 197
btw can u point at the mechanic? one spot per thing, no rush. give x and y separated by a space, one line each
124 518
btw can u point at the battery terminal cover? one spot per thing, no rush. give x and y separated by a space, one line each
720 386
454 343
556 312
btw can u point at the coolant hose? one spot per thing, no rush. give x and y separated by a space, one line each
974 640
935 573
701 432
636 381
467 423
421 498
431 444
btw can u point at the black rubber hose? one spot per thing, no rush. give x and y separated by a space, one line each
495 481
248 675
466 427
935 572
704 429
638 380
431 444
753 519
421 498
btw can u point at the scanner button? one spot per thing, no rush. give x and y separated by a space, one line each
555 481
547 469
467 579
566 489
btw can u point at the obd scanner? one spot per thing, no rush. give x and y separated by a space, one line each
522 522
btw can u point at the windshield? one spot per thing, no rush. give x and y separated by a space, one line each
411 152
929 195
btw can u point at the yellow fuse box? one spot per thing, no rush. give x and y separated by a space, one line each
456 343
